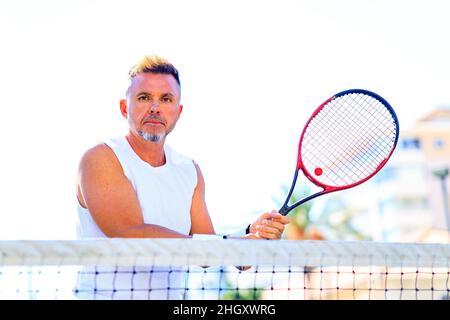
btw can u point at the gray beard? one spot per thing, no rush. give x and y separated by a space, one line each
151 137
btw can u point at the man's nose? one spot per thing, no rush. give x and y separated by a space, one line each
154 107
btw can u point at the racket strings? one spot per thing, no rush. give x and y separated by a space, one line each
346 157
376 129
348 139
350 175
345 152
362 124
372 117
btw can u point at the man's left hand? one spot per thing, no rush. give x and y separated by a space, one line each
269 225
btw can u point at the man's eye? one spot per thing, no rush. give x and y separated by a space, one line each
143 98
167 99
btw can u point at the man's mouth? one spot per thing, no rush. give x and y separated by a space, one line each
154 122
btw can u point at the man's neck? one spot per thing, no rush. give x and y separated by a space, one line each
150 152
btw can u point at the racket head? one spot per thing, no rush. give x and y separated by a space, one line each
347 140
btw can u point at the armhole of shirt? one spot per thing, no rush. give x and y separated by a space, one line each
118 150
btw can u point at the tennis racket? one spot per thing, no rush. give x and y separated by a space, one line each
347 140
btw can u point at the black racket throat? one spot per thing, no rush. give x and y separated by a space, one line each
285 209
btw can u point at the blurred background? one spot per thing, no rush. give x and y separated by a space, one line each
252 72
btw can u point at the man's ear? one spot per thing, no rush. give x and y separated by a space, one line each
181 109
123 108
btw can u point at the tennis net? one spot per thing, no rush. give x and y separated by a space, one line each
222 269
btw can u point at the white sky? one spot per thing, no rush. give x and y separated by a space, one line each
251 72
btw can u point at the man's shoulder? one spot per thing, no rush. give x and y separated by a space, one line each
100 161
98 152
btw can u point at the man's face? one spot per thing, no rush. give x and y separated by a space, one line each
152 107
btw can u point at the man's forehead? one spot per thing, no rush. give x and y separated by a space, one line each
146 81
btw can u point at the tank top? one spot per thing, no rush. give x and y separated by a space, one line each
165 197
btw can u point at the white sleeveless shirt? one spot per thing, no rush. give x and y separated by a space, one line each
165 196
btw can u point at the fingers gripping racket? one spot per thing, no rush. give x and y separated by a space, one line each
347 140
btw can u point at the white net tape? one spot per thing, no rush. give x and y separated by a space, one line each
176 269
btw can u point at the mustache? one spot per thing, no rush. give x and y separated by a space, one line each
154 117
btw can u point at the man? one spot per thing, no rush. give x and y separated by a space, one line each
138 187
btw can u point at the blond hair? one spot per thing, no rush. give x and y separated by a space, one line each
154 64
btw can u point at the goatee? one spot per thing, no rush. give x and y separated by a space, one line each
152 137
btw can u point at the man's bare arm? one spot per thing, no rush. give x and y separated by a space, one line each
109 196
200 219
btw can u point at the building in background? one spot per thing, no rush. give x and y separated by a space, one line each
411 206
